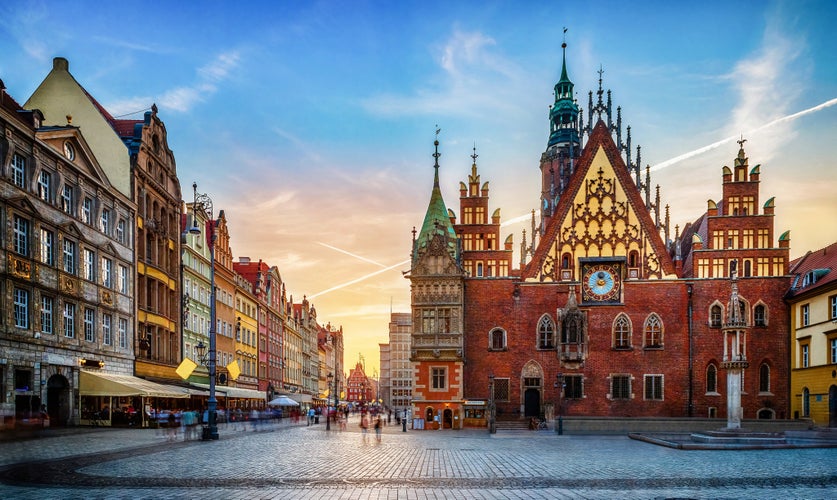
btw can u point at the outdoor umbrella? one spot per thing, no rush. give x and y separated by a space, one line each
283 401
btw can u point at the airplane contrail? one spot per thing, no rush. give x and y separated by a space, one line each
350 254
357 280
714 145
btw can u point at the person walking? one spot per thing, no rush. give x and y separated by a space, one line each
379 424
172 426
364 427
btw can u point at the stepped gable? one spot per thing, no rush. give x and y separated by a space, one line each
546 259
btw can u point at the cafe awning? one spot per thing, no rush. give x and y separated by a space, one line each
235 392
301 398
112 384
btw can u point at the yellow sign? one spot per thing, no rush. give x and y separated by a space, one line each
234 370
186 368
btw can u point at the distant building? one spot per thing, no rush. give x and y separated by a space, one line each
813 351
400 392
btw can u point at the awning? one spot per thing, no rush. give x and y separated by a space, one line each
235 392
302 398
283 400
112 384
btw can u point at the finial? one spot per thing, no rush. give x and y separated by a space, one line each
564 44
437 154
741 141
475 155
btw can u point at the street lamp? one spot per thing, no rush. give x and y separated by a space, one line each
492 425
560 384
329 379
211 431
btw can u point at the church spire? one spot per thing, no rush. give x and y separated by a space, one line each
563 114
436 219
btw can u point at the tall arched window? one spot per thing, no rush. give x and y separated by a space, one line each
653 332
497 339
546 333
715 314
764 378
760 315
711 378
622 332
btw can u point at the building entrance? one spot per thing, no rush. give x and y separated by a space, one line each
532 403
832 406
58 400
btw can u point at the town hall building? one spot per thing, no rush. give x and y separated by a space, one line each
609 314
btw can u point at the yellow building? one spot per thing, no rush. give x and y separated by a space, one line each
813 306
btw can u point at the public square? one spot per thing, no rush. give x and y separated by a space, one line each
288 460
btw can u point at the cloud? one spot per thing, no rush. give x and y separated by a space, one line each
472 77
185 97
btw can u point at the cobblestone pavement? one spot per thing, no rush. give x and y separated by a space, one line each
298 461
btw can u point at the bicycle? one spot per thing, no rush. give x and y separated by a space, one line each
542 426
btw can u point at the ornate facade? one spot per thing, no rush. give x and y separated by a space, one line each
608 315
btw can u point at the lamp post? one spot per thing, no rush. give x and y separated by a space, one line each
329 379
211 431
492 425
559 384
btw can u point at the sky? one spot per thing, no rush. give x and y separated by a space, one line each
311 124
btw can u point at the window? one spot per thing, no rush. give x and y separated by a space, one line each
104 221
89 325
653 332
654 387
89 264
47 247
45 186
87 211
715 313
428 321
21 235
622 332
497 339
47 304
806 318
123 333
573 387
107 319
107 272
806 402
833 349
70 320
438 378
19 171
620 387
832 306
123 279
21 308
804 355
120 231
68 201
711 379
546 333
501 389
764 378
760 315
69 256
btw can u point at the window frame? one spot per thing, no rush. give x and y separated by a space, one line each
764 379
716 316
68 200
494 334
18 170
438 378
107 334
47 247
22 235
760 315
805 314
711 381
89 324
47 315
21 307
650 334
655 385
69 320
622 332
45 186
620 387
573 386
546 333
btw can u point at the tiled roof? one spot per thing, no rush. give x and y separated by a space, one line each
821 265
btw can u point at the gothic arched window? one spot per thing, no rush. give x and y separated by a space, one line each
715 314
546 333
711 378
653 332
764 378
760 315
622 332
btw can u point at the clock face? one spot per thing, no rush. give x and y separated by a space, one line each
601 283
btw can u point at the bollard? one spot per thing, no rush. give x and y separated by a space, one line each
560 425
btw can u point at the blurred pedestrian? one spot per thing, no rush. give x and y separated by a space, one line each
364 427
172 426
379 423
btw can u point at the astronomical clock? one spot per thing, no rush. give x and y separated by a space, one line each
601 281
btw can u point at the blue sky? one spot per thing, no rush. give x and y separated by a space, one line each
311 123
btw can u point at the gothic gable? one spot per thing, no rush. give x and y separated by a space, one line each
600 215
436 259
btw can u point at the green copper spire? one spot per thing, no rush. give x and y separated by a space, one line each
563 113
436 220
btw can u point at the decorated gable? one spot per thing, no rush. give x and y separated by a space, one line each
602 231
